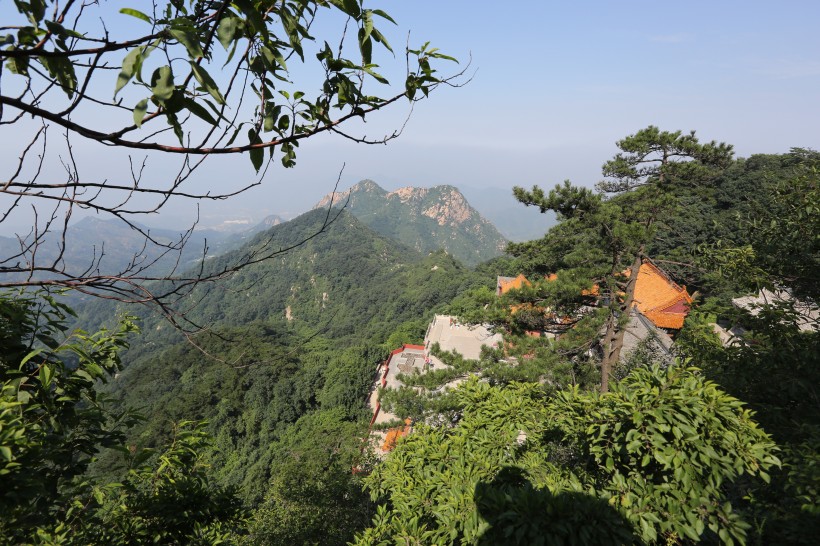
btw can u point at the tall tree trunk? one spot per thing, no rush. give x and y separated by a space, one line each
615 330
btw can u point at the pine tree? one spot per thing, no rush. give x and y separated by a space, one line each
605 234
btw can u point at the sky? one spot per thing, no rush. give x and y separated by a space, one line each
554 85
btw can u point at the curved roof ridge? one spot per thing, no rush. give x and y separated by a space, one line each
648 261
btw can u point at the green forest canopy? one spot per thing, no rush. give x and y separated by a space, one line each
284 400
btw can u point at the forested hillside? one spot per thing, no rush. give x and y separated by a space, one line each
642 371
283 370
253 428
538 454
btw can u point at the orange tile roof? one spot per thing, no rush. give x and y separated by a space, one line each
659 298
506 285
394 434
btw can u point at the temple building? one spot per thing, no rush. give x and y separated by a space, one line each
659 298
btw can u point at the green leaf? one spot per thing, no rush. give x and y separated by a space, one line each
379 78
23 397
367 25
135 13
235 134
226 31
383 15
29 356
99 496
162 83
271 115
273 58
216 111
257 154
129 65
18 66
36 10
60 31
146 51
207 83
84 374
442 56
139 112
5 452
174 123
46 375
351 7
255 19
257 157
724 536
199 110
379 37
190 40
365 46
61 69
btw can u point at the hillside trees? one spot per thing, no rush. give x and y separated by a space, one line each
774 365
191 80
651 461
53 422
784 228
314 497
608 236
285 399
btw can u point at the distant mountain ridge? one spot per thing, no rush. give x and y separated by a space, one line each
114 246
425 219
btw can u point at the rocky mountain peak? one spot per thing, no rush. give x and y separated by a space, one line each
270 221
340 197
450 209
424 218
367 185
334 198
408 193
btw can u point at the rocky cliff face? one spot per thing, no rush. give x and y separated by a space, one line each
424 218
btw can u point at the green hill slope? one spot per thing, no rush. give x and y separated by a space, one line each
292 349
426 219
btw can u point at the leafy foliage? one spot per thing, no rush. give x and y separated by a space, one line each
660 449
53 421
774 366
603 238
169 62
285 398
314 498
527 454
663 157
168 500
670 456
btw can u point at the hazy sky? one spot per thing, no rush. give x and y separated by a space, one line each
555 84
558 83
